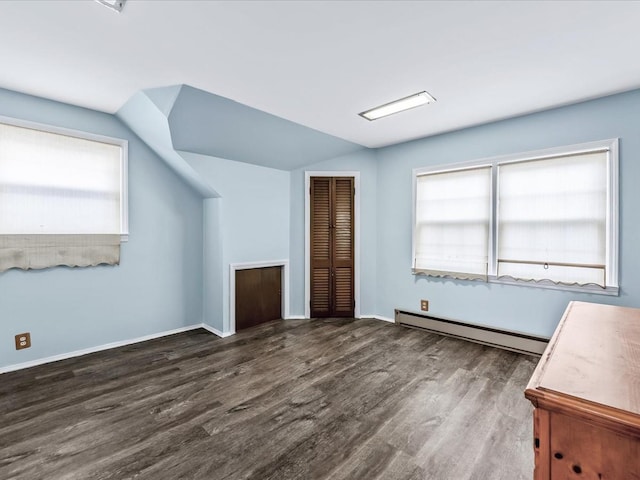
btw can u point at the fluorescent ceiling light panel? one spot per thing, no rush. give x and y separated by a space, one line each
406 103
116 5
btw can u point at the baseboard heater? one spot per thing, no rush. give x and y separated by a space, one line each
506 339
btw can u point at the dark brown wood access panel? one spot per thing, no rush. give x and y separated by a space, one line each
332 247
258 296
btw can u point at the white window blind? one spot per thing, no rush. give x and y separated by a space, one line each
552 219
547 219
62 199
452 214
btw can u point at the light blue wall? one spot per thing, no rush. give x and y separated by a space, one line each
158 285
525 309
260 216
364 162
212 266
253 216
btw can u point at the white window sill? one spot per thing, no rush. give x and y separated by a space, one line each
590 289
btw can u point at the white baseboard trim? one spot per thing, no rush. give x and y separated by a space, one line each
375 317
108 346
217 332
122 343
379 317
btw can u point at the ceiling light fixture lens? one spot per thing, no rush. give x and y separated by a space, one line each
115 5
406 103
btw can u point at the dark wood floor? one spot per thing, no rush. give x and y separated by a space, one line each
323 399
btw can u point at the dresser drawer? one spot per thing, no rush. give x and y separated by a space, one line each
583 451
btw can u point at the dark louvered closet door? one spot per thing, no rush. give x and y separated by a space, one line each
320 246
342 247
332 247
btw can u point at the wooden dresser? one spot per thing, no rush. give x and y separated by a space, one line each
586 394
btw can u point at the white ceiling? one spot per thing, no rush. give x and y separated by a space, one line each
321 63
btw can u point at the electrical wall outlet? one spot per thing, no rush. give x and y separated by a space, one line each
424 305
23 340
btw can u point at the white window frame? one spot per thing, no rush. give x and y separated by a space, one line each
124 160
612 259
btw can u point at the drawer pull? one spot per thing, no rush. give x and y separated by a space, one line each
558 455
577 469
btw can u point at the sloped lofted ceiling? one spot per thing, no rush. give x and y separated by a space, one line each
181 118
319 63
208 124
146 113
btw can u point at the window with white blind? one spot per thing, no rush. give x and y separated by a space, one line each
546 218
452 223
63 197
